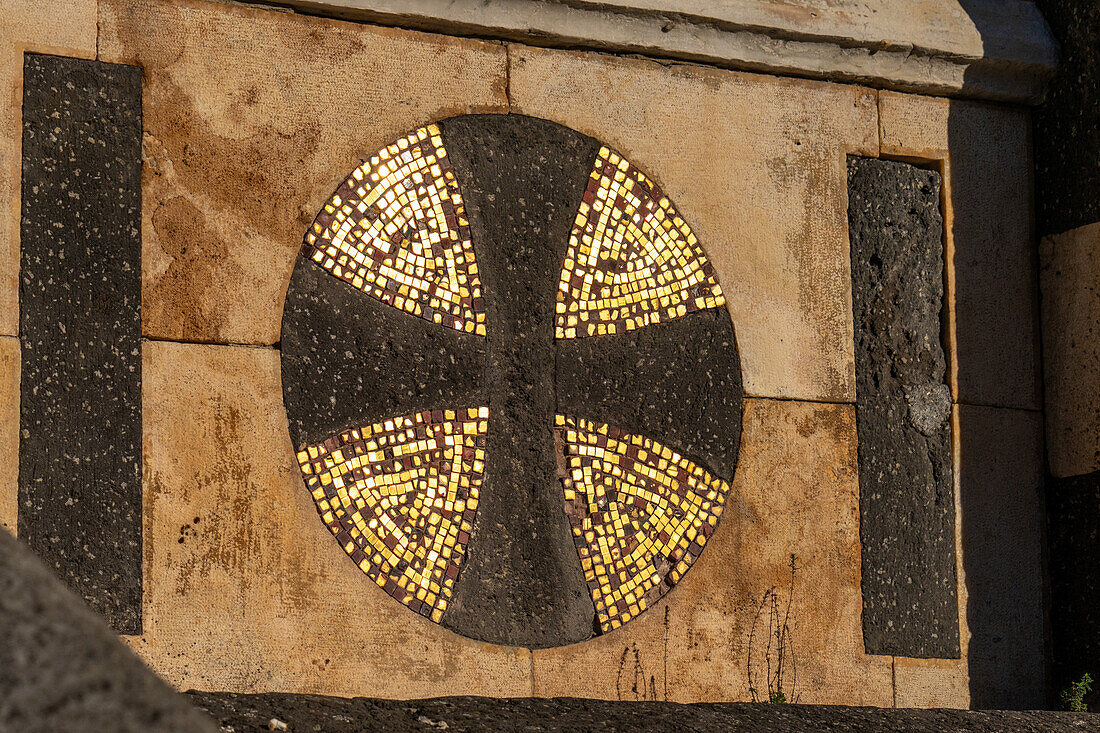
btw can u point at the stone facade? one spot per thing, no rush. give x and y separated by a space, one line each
252 117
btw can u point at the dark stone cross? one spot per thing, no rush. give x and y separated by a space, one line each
349 360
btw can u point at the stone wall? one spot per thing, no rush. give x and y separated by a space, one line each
253 117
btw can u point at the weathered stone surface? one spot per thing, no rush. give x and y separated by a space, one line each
61 668
1070 278
80 329
756 166
983 153
694 644
1067 125
9 433
931 683
1073 542
62 27
245 588
903 406
251 120
1001 511
981 48
303 712
349 360
677 382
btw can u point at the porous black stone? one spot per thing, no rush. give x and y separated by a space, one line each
1073 541
349 360
903 406
678 382
522 180
461 714
1067 125
80 329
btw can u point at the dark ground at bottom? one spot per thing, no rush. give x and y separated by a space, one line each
314 713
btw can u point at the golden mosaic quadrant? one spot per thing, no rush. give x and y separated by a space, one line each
397 230
640 514
632 259
401 496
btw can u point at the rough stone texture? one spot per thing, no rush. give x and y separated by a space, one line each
62 27
252 118
756 165
521 180
1001 511
795 493
984 155
1073 541
349 360
335 715
1070 279
903 406
677 382
1067 125
931 683
62 669
245 588
80 329
985 48
9 432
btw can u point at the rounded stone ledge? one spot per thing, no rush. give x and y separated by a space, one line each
984 49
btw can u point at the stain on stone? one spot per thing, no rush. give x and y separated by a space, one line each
80 500
907 509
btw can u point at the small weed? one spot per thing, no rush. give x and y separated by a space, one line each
780 671
1073 697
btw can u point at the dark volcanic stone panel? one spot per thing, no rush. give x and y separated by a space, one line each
349 360
1073 537
80 329
678 382
903 408
522 180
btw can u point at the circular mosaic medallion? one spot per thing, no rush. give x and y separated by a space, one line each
511 380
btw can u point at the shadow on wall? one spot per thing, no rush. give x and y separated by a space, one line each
999 429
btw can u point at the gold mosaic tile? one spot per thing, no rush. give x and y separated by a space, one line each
640 514
632 259
401 496
397 230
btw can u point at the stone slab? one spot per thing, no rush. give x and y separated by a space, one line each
252 118
9 433
903 409
1001 511
1070 280
984 154
62 27
983 48
931 683
245 588
1067 125
80 329
756 165
693 646
1073 540
62 668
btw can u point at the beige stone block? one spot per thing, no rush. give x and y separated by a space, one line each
756 164
1070 278
1001 526
795 493
252 118
63 27
9 432
984 153
245 588
931 683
